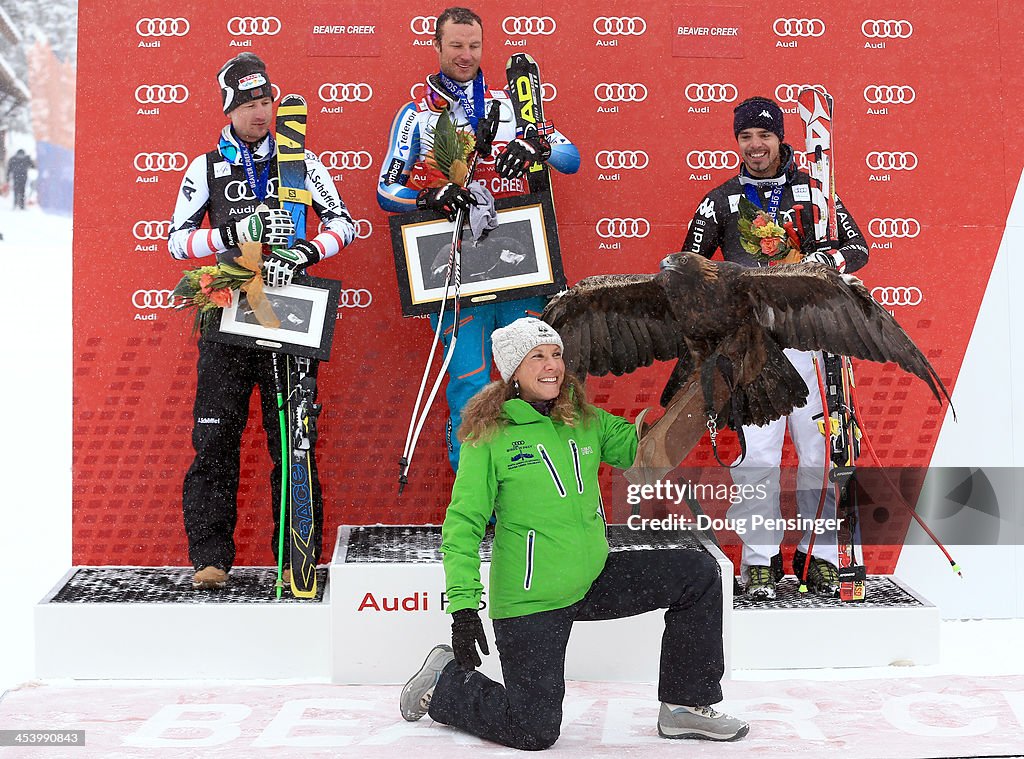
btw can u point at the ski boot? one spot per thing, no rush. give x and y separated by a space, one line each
761 585
822 576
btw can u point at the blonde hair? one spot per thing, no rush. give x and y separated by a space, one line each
482 415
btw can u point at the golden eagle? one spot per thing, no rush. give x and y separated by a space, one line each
726 327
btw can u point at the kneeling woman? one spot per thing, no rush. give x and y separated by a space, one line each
531 450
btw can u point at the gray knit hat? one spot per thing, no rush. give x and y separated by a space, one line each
243 79
511 344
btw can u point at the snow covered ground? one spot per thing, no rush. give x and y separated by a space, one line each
35 528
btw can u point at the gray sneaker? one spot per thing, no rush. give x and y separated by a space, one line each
699 722
417 692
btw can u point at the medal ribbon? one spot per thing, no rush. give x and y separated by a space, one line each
453 89
257 183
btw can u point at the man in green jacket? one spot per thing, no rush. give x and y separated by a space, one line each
532 450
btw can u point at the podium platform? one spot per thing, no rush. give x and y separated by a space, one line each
381 607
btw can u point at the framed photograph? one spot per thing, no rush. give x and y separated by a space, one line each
519 259
307 309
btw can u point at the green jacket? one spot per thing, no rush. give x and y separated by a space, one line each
540 479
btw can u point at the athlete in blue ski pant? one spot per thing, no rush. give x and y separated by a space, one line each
470 367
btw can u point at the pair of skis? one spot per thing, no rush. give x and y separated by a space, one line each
296 396
523 76
838 389
835 376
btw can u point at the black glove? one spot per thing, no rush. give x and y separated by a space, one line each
272 226
467 632
282 263
447 200
821 257
519 154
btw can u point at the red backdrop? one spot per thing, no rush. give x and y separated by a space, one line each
922 162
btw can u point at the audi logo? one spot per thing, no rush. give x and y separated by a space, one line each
360 298
161 93
621 159
342 160
528 25
788 93
607 228
711 93
548 92
364 228
897 296
152 299
891 161
620 93
620 25
238 190
889 93
151 230
799 27
160 161
331 92
713 159
894 227
162 27
255 25
887 28
423 24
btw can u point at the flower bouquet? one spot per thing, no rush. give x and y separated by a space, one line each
208 289
448 159
762 238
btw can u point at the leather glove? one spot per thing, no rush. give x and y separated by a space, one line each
272 226
521 153
447 199
821 257
282 263
467 633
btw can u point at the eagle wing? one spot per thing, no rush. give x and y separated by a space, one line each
812 307
615 323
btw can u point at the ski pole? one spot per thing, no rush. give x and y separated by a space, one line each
486 130
279 585
954 565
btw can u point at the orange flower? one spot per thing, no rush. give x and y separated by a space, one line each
759 221
221 296
770 245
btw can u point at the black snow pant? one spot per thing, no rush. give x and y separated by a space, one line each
227 375
19 193
526 712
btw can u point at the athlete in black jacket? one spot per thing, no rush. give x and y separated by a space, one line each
235 185
770 179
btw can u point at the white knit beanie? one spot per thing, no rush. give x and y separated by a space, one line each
511 344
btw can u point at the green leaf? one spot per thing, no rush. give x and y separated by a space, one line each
754 250
747 209
184 289
446 144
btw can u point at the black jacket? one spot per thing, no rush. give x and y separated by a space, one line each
715 223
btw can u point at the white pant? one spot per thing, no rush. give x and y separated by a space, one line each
762 467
